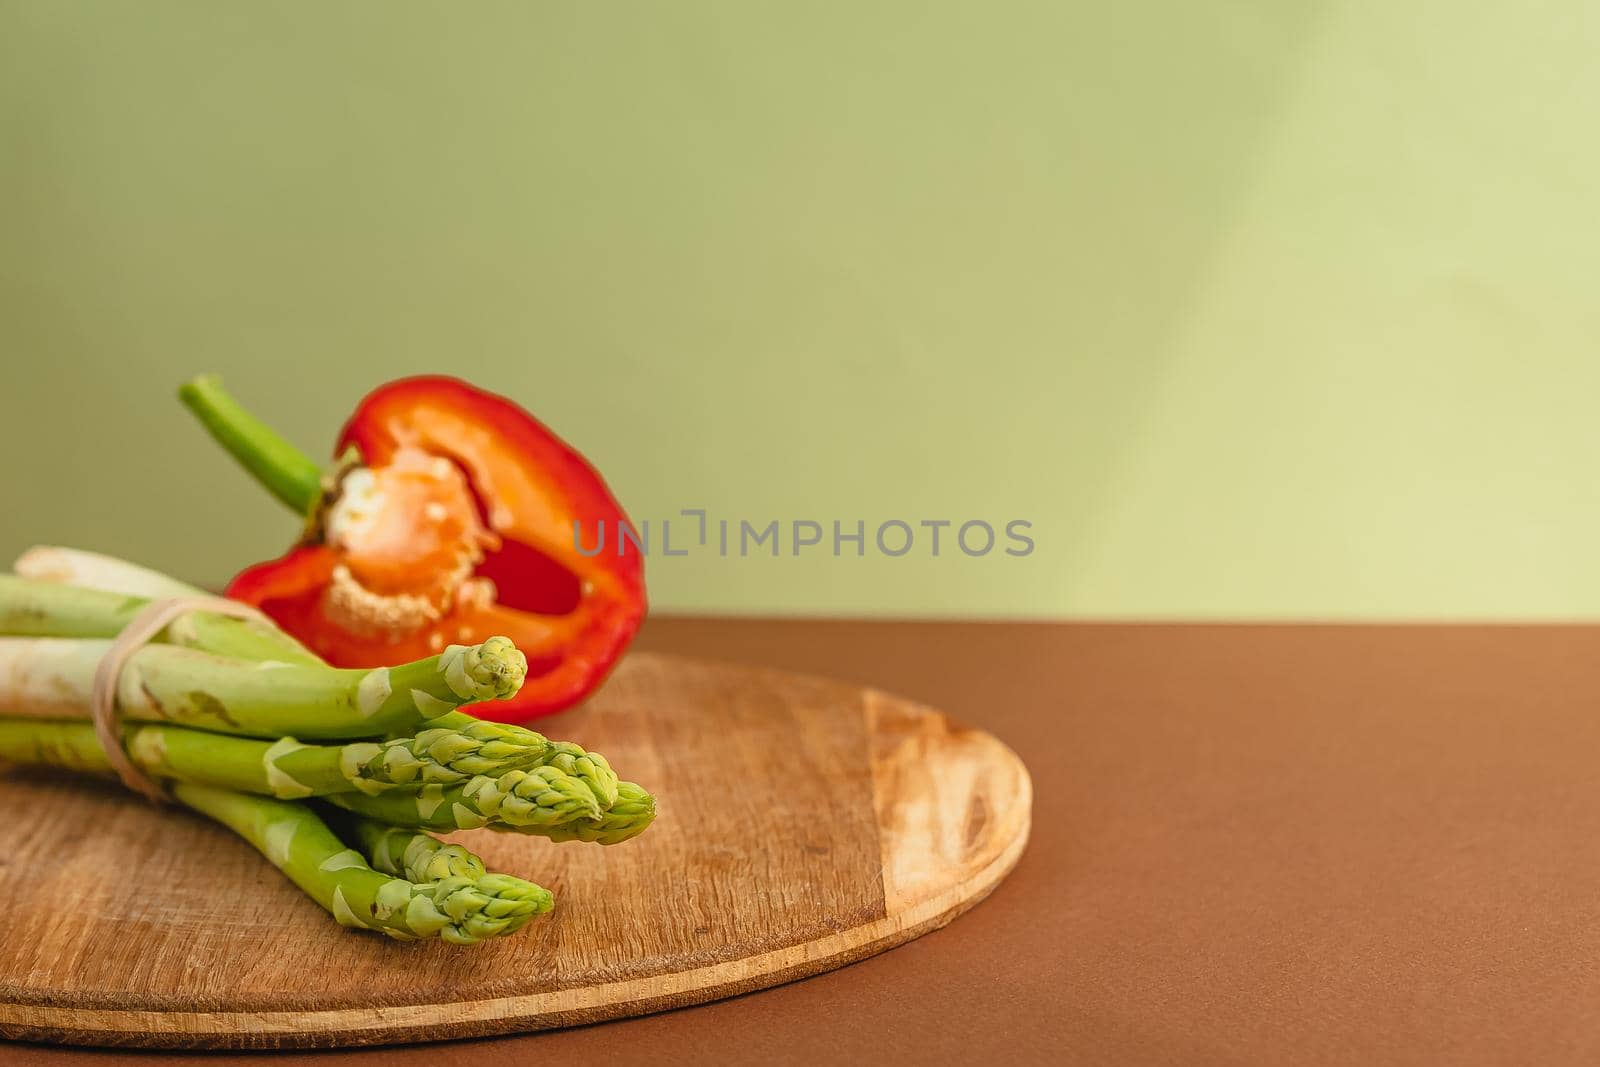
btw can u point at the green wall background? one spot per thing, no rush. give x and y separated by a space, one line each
1253 309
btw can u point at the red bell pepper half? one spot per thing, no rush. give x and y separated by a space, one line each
448 518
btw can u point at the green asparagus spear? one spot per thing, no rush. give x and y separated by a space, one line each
410 854
50 677
593 768
542 797
460 910
44 609
446 755
284 768
633 812
538 804
91 570
590 768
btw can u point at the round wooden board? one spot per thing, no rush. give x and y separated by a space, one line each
803 824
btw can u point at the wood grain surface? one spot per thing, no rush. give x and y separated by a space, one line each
804 824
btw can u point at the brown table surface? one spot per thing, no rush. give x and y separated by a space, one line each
1251 844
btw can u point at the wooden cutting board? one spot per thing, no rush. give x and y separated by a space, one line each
803 824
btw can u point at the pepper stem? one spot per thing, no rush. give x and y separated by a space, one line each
285 471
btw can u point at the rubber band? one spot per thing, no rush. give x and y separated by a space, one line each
150 621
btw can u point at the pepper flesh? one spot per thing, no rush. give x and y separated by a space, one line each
453 513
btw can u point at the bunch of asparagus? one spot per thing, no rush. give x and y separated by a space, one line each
230 714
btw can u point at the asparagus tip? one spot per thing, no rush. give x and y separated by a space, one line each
493 670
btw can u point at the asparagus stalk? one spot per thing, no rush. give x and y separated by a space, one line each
460 910
34 608
107 574
284 768
42 609
50 677
409 854
542 797
92 570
